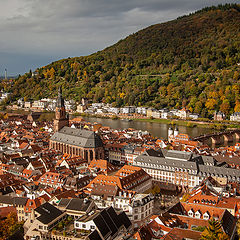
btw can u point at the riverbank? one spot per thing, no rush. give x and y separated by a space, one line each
210 124
190 123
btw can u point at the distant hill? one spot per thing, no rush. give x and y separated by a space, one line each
192 61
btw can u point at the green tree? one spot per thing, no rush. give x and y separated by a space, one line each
214 231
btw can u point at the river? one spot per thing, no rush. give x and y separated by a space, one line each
159 130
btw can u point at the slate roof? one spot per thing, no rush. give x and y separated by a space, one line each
78 137
111 212
172 163
47 213
64 202
173 154
78 204
107 218
154 153
109 223
94 236
124 220
102 226
208 160
6 199
231 173
20 200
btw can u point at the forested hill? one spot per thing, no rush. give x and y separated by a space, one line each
193 61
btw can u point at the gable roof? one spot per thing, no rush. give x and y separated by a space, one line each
47 213
107 218
94 236
78 137
102 226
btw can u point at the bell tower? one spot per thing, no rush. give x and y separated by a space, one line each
61 118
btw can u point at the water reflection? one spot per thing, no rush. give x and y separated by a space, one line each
156 129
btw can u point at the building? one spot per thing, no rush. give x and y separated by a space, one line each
219 116
127 178
78 142
235 117
183 113
137 206
106 224
42 221
76 207
184 168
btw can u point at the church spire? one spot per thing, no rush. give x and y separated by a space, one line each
61 118
60 100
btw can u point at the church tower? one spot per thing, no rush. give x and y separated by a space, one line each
61 118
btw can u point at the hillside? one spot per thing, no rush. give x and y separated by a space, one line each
192 61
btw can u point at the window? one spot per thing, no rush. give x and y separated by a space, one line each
135 217
84 226
92 227
40 227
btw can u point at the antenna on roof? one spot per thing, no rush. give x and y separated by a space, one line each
5 74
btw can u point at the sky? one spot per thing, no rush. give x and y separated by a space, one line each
35 33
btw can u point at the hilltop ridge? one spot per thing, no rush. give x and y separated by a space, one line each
192 61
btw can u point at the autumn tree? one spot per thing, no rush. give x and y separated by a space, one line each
9 226
214 231
225 106
211 103
237 107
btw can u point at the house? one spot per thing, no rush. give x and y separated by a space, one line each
77 183
165 114
149 112
235 117
73 163
141 110
52 179
183 221
156 113
219 116
128 178
106 224
128 109
194 116
42 221
183 113
102 166
138 206
76 207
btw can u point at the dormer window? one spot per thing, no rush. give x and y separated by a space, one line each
198 214
206 216
190 213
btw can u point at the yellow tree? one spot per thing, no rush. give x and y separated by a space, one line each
211 103
214 231
237 107
51 73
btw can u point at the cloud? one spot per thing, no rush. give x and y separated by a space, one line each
62 28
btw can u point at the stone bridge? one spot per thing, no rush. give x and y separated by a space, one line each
219 137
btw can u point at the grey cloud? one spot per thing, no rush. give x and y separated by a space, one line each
62 28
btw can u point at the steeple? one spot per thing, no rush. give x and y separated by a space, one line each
60 100
61 117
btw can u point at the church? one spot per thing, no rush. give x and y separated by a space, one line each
77 142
